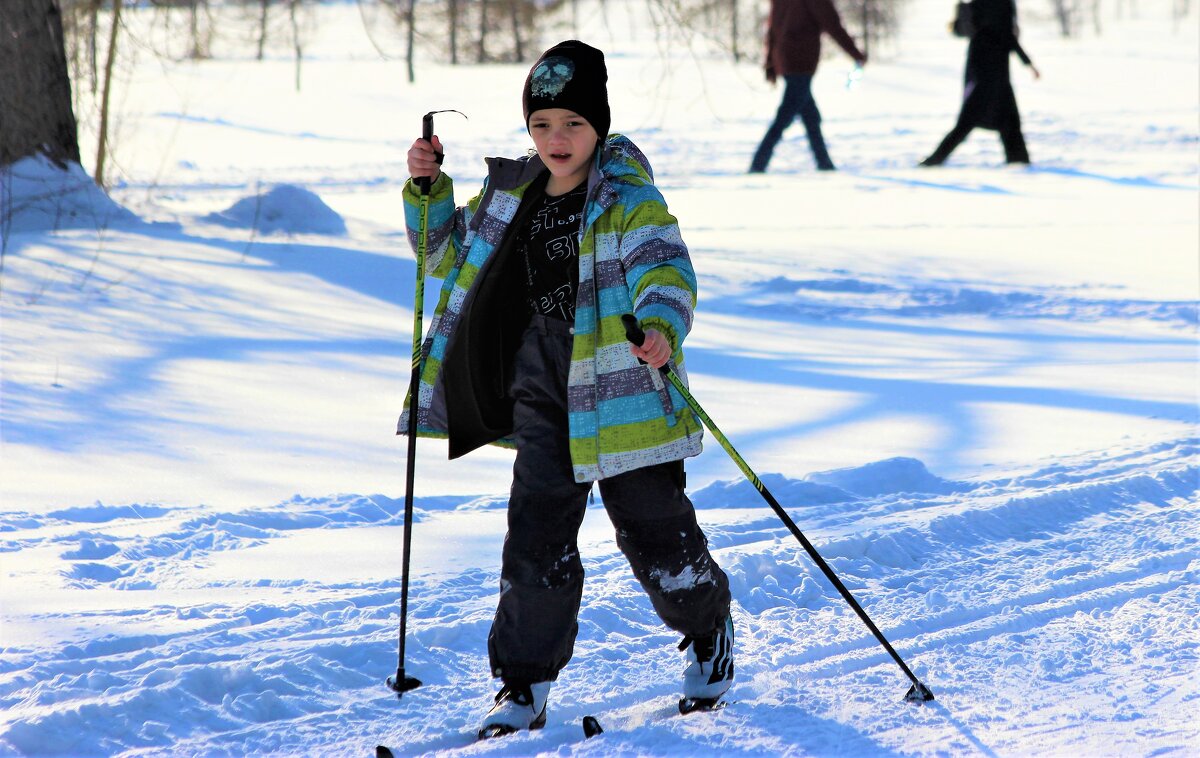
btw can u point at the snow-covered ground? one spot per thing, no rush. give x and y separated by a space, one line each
974 388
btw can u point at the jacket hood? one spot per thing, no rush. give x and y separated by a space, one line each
623 162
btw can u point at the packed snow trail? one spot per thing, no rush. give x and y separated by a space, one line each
1008 596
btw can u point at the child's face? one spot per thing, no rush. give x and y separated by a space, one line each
565 141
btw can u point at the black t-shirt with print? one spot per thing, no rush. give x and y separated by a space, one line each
549 245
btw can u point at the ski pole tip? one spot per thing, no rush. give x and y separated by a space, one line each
591 727
400 683
918 693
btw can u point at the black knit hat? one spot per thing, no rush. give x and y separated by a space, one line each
570 75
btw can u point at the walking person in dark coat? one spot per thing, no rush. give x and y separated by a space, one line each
793 43
988 99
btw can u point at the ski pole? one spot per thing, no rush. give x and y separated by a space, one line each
918 693
401 682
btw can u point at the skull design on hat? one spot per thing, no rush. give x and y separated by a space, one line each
551 76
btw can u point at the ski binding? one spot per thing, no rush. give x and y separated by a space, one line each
692 704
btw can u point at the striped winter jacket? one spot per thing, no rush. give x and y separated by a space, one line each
622 414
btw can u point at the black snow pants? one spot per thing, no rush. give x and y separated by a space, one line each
541 578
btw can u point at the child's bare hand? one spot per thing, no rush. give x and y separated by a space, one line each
423 159
656 350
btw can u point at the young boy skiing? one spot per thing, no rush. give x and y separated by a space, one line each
527 348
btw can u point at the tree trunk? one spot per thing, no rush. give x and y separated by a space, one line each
106 93
453 13
93 45
81 24
483 25
867 31
1064 10
198 51
35 88
264 7
412 39
296 39
514 8
734 32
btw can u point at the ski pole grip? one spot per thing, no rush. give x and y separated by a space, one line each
633 332
423 182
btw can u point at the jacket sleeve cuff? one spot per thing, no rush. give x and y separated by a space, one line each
663 327
438 187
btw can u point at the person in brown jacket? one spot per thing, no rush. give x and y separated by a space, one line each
793 43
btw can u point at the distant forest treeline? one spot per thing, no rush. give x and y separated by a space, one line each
84 42
486 31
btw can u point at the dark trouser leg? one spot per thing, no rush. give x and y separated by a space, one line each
811 117
1014 141
949 142
657 530
789 108
541 578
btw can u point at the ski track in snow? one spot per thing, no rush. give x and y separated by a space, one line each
848 298
956 577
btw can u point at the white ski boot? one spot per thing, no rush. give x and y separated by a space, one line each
518 706
710 669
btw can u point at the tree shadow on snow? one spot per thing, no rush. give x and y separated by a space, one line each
985 379
109 410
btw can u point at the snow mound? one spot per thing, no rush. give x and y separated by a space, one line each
38 196
101 513
283 208
740 493
887 477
